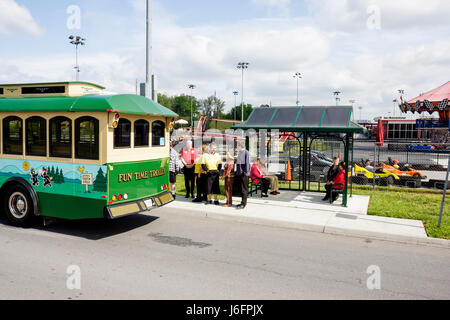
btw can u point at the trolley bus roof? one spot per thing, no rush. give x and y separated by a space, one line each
123 103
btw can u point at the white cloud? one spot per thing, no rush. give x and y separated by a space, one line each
351 15
16 18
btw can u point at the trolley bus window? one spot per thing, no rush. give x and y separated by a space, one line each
141 133
12 136
122 134
36 130
86 138
61 137
158 134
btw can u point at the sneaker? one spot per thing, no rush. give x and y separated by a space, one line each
325 199
209 202
240 207
217 203
187 196
265 195
196 200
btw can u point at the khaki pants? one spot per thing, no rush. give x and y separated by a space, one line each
273 182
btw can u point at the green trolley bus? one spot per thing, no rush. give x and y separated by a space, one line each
70 151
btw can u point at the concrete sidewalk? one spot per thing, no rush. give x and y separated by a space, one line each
306 212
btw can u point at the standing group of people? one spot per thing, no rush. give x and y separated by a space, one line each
202 173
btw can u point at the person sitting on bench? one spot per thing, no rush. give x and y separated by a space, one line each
258 177
338 183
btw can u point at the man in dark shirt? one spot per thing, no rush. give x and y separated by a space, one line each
243 173
332 173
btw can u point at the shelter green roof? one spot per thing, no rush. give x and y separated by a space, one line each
123 103
335 119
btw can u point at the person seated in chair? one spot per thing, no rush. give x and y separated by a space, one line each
273 179
401 167
373 169
332 173
338 183
257 177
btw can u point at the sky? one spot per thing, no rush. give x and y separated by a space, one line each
366 49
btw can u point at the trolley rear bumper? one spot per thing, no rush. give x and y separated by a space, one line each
139 206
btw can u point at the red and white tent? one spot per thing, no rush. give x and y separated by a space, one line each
437 100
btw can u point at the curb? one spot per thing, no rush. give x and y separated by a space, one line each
319 228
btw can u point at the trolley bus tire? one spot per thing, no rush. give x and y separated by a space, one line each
18 206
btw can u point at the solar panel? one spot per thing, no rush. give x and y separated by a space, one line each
285 117
337 117
261 117
310 117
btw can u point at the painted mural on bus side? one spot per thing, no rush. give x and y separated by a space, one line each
58 178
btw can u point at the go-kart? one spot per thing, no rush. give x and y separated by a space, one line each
410 173
363 176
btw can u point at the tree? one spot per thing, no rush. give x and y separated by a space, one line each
212 107
180 104
165 101
248 109
100 181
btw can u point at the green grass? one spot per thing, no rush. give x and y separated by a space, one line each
413 204
416 204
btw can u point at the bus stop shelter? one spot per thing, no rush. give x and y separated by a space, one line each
307 124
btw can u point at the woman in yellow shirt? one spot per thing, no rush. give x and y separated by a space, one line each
212 164
200 177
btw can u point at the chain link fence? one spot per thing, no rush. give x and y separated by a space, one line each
395 164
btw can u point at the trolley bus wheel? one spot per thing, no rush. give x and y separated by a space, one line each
18 206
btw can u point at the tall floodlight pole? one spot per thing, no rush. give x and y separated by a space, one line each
192 87
149 71
235 103
336 94
242 66
76 41
360 113
298 76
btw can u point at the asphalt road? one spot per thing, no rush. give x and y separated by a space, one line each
182 256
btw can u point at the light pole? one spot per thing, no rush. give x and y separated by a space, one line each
148 54
298 76
360 113
336 94
235 103
76 41
242 66
192 87
395 105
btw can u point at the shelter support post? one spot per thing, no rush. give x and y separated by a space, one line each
346 160
445 193
352 165
305 161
